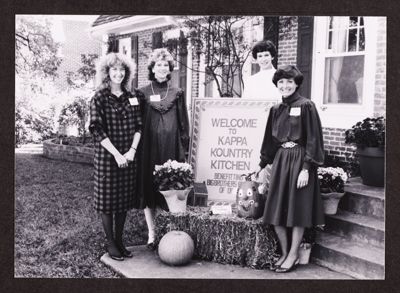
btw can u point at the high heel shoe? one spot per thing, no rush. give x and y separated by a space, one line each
151 246
273 267
287 270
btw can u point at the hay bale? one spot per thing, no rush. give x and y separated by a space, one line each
223 239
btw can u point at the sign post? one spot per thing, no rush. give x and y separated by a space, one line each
226 139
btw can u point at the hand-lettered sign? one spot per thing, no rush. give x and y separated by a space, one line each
226 139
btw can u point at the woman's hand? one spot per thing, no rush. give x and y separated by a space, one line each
121 160
258 172
130 155
302 180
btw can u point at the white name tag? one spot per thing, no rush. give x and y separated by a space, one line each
221 209
155 98
295 111
133 101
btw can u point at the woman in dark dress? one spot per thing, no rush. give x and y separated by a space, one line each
293 144
115 123
165 131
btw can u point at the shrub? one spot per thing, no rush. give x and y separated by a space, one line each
367 133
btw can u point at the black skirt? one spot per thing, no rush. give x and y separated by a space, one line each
286 205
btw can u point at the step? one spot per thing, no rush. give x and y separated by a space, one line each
356 227
363 199
146 264
359 260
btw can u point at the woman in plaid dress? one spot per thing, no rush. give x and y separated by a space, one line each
115 123
165 132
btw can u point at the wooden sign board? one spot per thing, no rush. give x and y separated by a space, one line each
226 139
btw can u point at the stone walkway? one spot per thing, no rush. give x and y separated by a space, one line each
146 264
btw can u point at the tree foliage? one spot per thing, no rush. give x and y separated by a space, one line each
35 48
85 73
221 41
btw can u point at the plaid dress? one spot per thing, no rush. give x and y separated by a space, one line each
114 118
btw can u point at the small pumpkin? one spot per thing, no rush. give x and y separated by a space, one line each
176 248
250 203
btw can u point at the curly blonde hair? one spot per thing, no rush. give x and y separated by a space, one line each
156 55
110 60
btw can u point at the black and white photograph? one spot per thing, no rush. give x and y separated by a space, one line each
234 147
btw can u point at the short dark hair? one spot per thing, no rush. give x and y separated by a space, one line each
288 71
263 46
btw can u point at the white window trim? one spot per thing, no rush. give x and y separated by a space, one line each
128 43
343 115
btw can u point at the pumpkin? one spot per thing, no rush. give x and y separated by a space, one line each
250 203
176 248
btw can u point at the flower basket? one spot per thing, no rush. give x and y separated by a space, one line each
332 182
176 199
304 253
331 201
174 180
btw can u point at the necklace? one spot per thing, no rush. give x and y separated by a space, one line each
166 94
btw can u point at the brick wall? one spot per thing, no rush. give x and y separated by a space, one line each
287 45
145 49
334 144
69 153
380 76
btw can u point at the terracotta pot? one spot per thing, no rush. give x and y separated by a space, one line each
331 202
304 253
176 199
372 165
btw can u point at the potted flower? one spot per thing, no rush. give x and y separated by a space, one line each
306 244
332 180
369 137
174 180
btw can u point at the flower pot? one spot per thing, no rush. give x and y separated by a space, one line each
331 201
176 199
304 253
372 165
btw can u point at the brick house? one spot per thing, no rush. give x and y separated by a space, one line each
343 60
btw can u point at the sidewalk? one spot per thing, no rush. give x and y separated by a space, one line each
146 264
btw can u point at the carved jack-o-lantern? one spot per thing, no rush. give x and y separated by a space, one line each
249 201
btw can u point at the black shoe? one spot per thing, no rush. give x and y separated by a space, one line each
151 246
114 256
125 252
287 270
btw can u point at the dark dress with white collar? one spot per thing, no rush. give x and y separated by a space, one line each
165 137
294 120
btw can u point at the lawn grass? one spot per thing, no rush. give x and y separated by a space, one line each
58 234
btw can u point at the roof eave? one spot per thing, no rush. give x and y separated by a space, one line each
132 24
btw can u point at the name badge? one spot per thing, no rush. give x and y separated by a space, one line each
133 101
295 111
155 98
